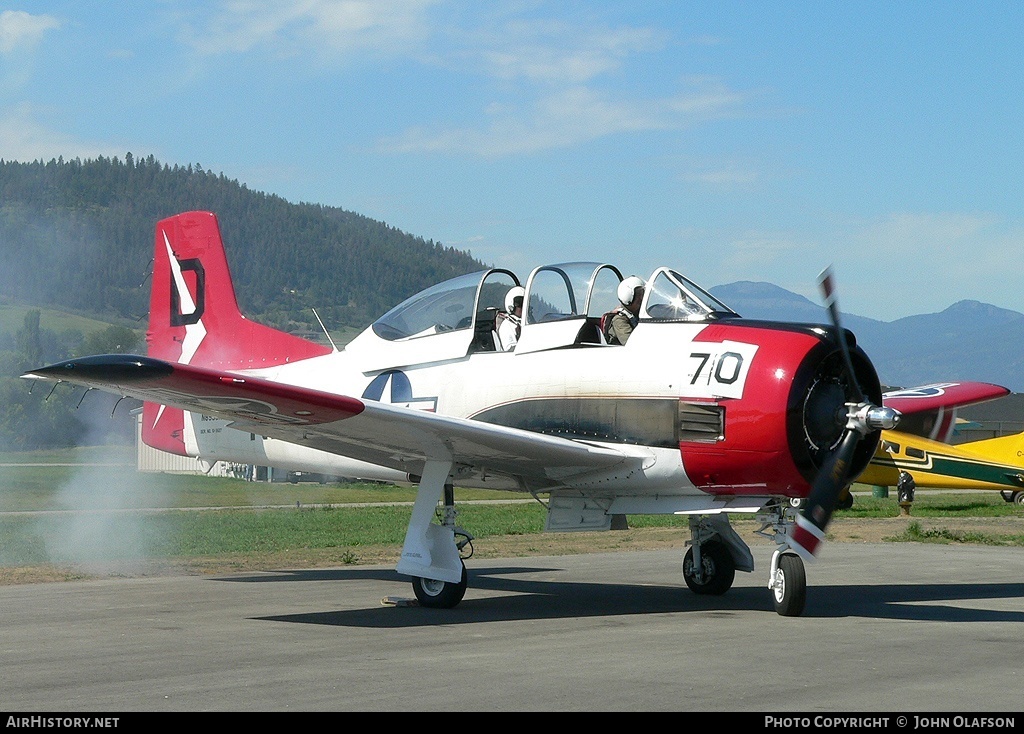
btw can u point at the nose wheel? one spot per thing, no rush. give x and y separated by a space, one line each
788 584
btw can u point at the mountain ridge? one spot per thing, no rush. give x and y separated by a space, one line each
968 341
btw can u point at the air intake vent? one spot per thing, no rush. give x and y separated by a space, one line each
701 422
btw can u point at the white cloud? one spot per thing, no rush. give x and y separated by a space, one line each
724 177
559 84
20 30
555 52
293 27
567 117
23 138
556 83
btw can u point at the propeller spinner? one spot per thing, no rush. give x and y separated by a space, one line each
861 419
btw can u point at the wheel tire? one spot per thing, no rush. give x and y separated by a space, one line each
790 589
718 566
1018 498
439 594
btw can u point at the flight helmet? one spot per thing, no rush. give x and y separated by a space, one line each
627 287
510 298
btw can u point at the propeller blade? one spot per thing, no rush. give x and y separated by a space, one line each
827 284
821 502
835 475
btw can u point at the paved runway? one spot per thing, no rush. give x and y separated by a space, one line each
888 628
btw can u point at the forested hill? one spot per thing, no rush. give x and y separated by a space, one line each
79 235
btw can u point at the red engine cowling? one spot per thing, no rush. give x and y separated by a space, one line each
791 415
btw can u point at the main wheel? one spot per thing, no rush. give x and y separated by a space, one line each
790 587
439 594
717 569
1018 498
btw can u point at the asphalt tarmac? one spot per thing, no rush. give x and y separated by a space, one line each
894 628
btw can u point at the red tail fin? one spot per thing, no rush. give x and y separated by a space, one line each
194 317
193 314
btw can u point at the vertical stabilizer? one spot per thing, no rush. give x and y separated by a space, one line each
194 318
193 313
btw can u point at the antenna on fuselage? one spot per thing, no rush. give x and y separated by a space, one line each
325 329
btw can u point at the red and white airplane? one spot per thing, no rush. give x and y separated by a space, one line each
701 413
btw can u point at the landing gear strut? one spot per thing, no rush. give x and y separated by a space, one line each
444 594
787 580
433 552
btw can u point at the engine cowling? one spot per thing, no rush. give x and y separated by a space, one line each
791 416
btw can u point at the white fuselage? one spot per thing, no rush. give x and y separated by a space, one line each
655 365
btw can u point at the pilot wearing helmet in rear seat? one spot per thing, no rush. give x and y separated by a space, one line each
625 318
511 325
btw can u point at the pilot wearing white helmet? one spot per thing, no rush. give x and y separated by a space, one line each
511 325
626 317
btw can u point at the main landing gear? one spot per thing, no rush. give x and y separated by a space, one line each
444 594
434 553
439 594
709 568
716 552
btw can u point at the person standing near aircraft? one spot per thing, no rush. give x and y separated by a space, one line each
625 318
511 325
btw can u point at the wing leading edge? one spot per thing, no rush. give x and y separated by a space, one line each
940 396
387 435
930 411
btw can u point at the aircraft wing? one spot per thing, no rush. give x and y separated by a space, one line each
930 411
940 396
387 435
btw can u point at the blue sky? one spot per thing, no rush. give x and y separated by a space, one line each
732 140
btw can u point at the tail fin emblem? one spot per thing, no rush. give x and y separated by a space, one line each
184 310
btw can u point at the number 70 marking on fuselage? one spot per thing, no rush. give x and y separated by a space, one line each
721 369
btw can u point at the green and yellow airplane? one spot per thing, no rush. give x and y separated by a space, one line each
992 463
921 449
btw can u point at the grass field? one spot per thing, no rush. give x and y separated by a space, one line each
67 513
12 318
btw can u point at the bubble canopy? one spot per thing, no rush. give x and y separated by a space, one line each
561 292
448 306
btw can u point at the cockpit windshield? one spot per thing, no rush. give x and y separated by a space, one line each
444 307
448 306
672 297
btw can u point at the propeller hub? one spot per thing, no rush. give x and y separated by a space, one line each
865 418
